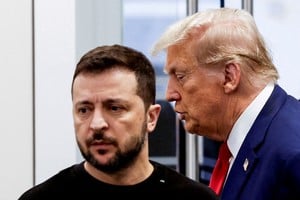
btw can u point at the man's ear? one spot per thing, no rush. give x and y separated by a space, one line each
153 114
232 77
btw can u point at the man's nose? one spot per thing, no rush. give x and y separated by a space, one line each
171 91
98 122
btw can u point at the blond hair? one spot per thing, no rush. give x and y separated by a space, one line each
223 35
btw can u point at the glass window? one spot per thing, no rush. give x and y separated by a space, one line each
143 22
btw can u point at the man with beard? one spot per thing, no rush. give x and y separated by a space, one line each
113 94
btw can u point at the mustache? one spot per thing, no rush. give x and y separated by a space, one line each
100 137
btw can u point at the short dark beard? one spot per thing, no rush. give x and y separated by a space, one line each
121 159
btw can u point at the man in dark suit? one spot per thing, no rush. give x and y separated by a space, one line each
224 85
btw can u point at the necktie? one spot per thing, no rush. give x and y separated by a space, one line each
220 170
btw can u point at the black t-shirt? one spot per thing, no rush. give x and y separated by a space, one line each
75 183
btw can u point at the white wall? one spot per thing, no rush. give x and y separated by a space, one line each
54 64
278 21
98 22
16 119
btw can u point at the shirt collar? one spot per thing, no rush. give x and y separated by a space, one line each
246 119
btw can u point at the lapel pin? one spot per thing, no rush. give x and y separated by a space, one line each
245 165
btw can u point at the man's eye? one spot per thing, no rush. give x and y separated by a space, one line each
180 76
115 108
83 110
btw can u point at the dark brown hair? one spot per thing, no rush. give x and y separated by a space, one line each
102 58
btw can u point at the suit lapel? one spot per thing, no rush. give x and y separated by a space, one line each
247 158
241 169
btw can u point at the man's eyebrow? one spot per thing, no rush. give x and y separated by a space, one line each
171 70
116 100
83 102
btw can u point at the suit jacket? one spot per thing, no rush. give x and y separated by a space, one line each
267 166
